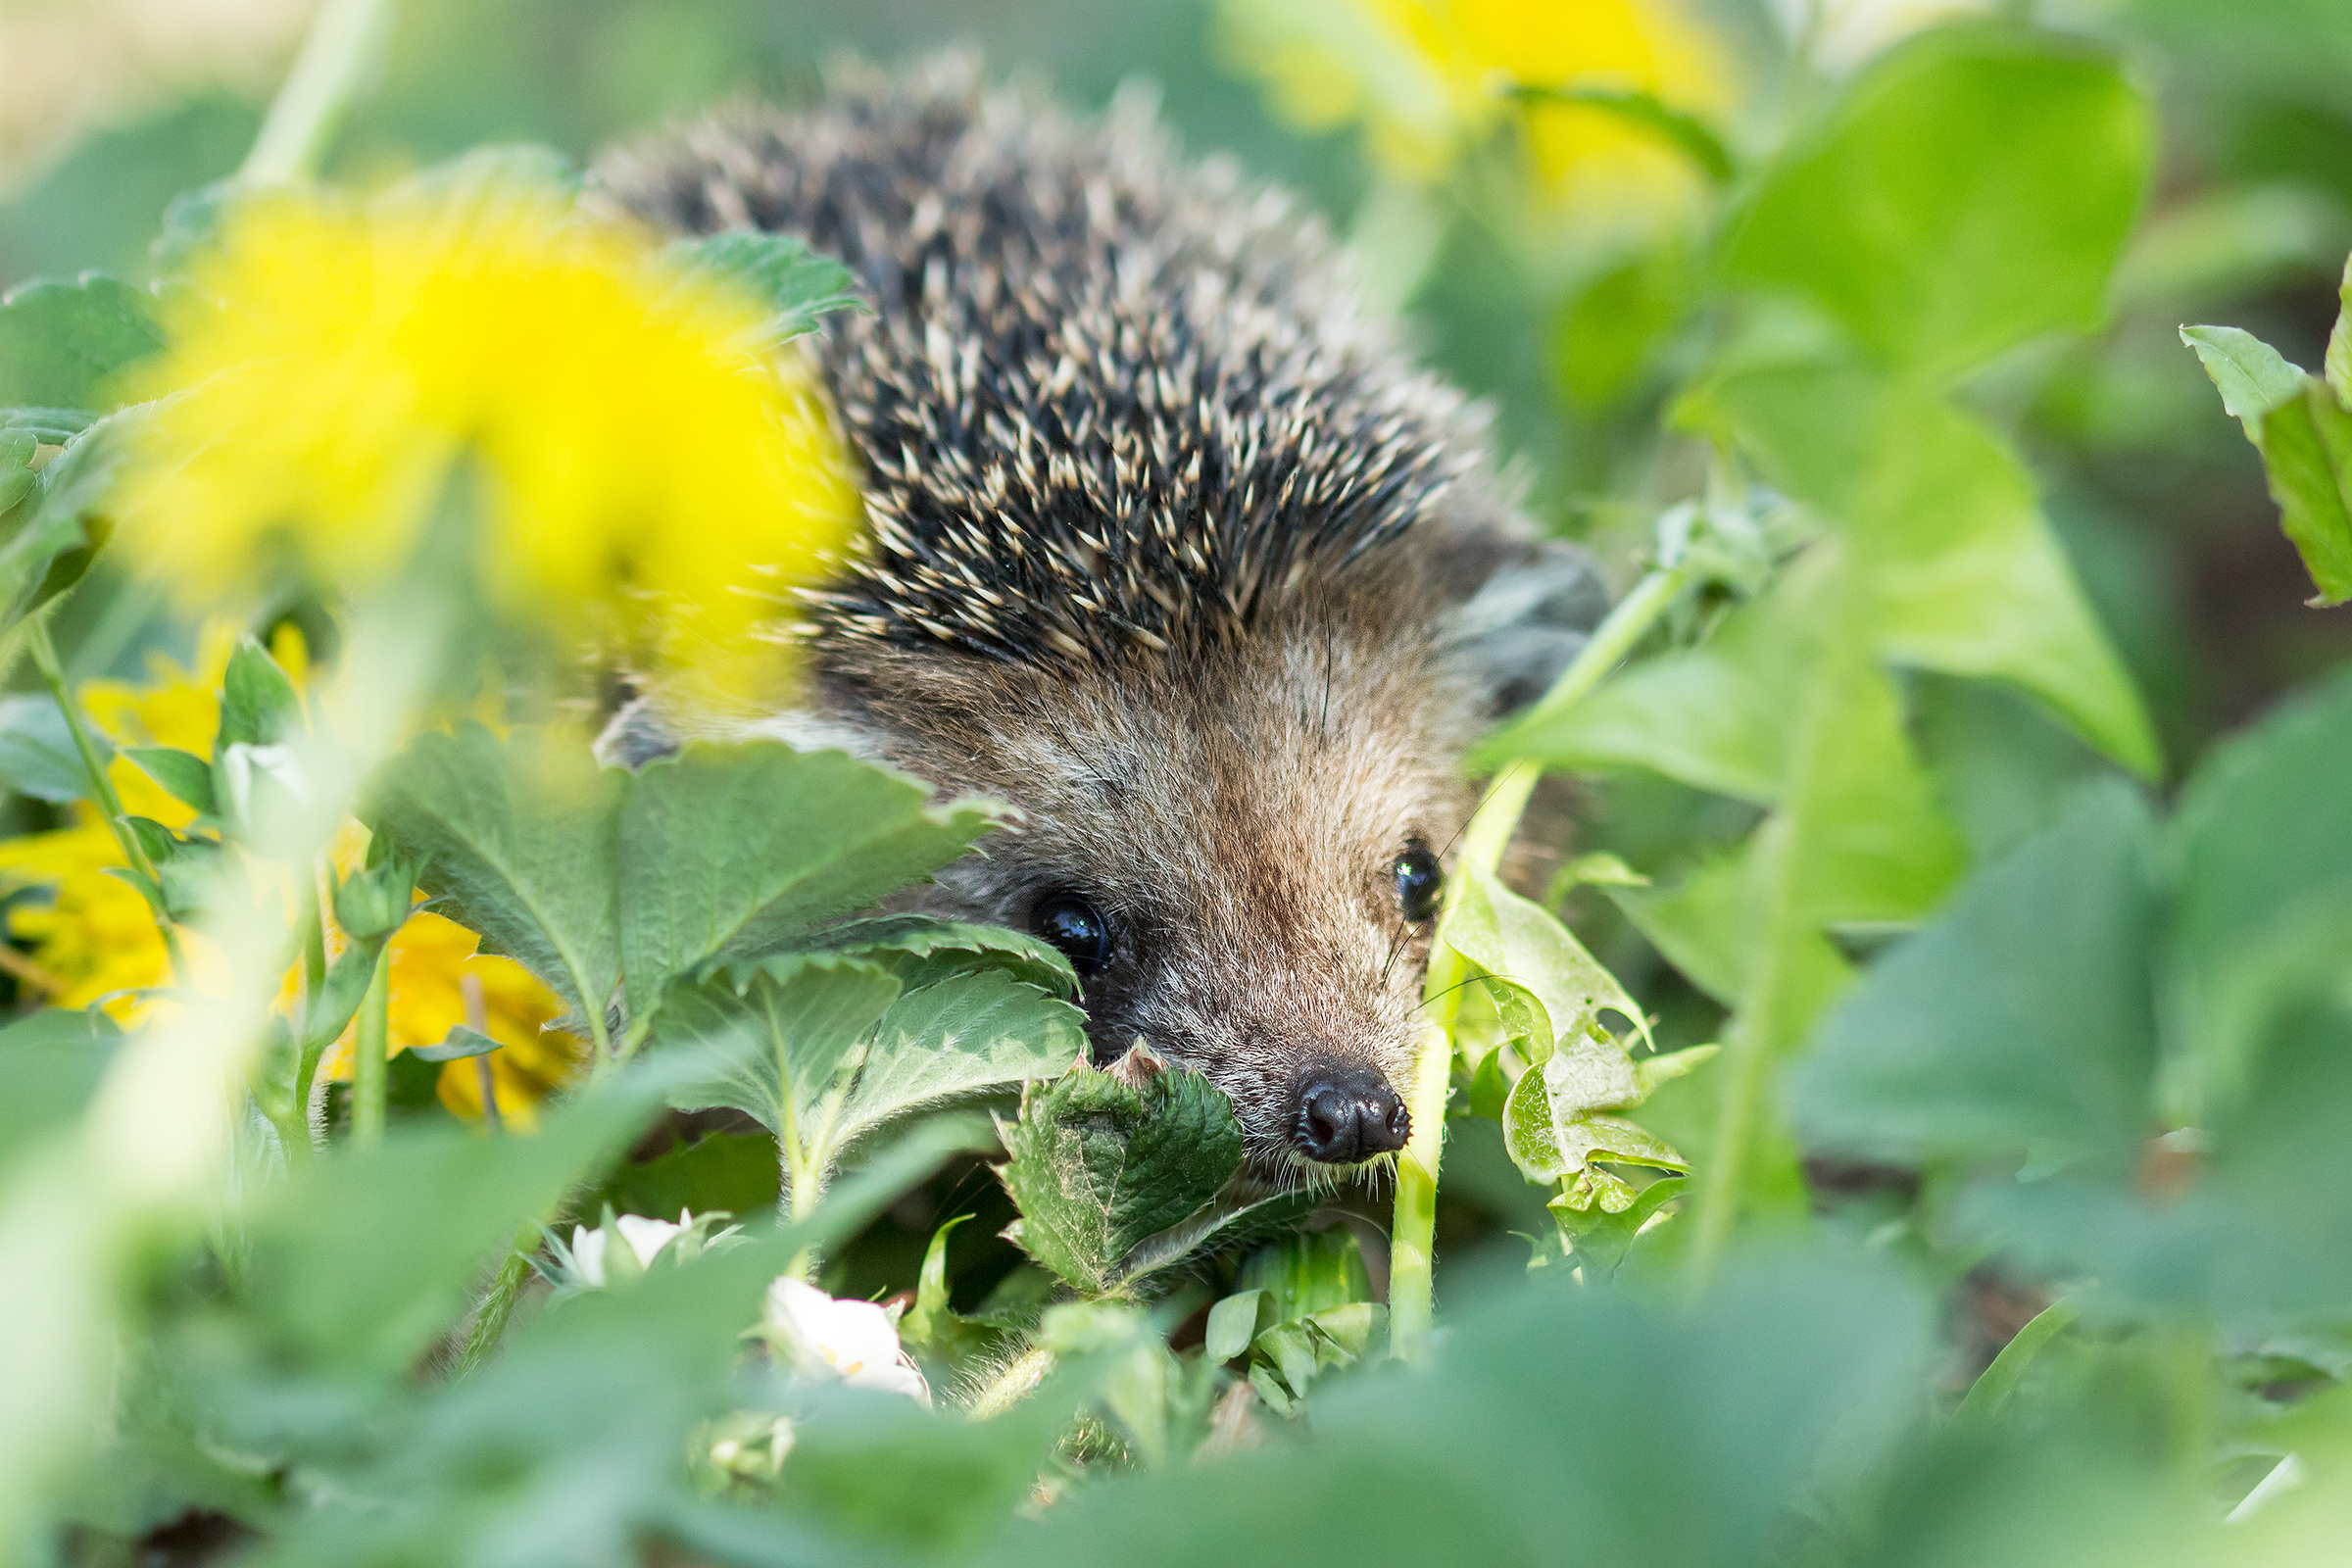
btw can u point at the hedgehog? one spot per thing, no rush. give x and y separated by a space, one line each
1171 546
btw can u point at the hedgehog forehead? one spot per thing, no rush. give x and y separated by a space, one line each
1266 795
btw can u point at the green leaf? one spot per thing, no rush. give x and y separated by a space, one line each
980 1031
59 528
1998 1383
937 948
1518 939
62 344
1704 924
731 1172
781 272
807 1019
37 754
837 1050
1559 1139
732 852
1922 221
1713 716
2264 839
1953 567
186 870
259 706
1234 1322
520 839
2252 376
1225 1226
2023 1014
186 778
1309 1272
458 1045
2307 449
1098 1166
52 1062
342 1274
1598 1238
17 449
2338 363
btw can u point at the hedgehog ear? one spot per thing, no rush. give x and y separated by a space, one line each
1530 606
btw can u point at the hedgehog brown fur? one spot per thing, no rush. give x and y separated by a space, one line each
1169 547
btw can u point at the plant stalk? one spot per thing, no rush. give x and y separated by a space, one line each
1411 1233
102 787
371 1068
346 41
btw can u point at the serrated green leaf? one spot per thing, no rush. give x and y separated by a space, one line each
519 839
62 344
37 754
938 948
186 778
1097 1166
1922 221
837 1048
730 852
982 1030
2307 450
2252 376
798 285
807 1021
1224 1227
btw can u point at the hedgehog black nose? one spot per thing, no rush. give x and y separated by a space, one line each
1348 1114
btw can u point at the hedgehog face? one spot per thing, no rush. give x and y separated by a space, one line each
1237 857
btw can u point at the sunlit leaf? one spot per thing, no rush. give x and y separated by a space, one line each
1925 221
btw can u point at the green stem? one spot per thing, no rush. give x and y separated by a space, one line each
345 43
371 1070
1012 1386
498 1303
102 787
1412 1253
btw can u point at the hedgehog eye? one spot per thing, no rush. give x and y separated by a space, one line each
1419 882
1066 921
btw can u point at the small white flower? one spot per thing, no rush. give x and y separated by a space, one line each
646 1237
853 1340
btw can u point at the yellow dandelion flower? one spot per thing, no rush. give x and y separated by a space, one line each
1424 79
646 468
95 936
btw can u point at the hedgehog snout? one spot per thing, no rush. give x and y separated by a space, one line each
1348 1114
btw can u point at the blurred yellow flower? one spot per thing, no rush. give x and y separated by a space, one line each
648 469
96 936
1426 79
